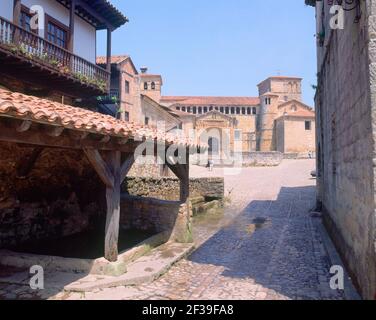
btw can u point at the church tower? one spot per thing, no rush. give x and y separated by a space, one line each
150 85
273 92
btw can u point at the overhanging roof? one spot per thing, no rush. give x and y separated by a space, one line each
99 13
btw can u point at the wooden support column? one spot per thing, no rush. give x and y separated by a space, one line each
109 53
113 209
112 173
16 19
182 172
72 14
16 11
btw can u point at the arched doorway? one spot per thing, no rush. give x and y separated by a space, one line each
214 146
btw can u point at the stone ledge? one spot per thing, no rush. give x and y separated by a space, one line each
98 266
145 270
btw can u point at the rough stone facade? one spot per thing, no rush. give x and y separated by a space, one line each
157 216
169 188
58 198
346 114
262 159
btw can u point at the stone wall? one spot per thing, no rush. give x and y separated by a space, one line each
60 196
169 188
262 159
346 114
157 216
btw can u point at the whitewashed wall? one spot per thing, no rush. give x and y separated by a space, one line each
85 34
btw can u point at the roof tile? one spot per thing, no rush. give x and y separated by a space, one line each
21 106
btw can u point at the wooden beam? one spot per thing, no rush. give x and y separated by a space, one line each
27 164
100 167
69 139
72 14
93 13
113 208
126 166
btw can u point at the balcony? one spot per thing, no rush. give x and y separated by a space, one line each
28 57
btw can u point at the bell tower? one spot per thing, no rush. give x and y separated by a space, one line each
273 92
150 84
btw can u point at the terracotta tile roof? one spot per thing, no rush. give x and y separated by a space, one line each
205 101
114 59
21 106
148 75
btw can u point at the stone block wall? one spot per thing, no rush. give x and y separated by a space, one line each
157 216
169 188
345 116
262 159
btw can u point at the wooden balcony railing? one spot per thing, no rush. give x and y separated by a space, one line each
32 47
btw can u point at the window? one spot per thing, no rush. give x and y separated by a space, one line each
189 109
205 109
227 110
243 111
249 111
146 86
147 120
254 110
126 87
268 101
153 86
126 116
183 109
232 110
194 110
238 135
178 108
25 19
57 34
222 110
308 125
237 110
199 110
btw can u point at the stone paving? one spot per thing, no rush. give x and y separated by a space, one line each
266 246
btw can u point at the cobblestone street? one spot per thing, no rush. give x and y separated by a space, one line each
265 246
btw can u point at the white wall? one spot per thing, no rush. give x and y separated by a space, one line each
6 9
85 40
85 34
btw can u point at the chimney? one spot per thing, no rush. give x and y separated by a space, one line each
144 70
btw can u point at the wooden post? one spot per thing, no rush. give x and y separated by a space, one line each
16 12
112 173
109 45
71 25
182 172
184 183
113 209
16 20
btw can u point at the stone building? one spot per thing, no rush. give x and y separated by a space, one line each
346 117
276 120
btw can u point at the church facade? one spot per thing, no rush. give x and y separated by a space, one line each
276 120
